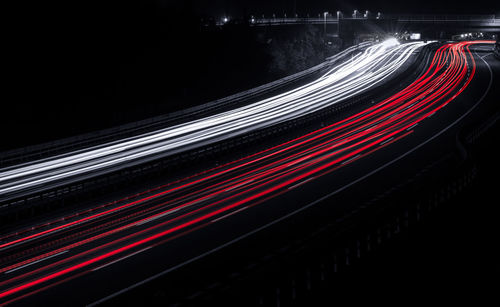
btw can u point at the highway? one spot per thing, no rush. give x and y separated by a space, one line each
93 242
367 69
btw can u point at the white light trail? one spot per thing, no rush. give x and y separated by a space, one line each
353 76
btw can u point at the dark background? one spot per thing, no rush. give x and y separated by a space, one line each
87 65
259 7
80 66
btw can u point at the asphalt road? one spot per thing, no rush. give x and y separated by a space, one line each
127 242
344 81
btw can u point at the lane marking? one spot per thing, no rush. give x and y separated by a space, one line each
387 141
120 259
300 183
239 185
106 298
411 127
486 55
231 213
158 216
351 159
39 260
298 160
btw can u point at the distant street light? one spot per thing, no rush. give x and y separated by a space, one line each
338 23
339 14
325 14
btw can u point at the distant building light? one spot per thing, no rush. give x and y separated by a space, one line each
390 42
415 36
225 19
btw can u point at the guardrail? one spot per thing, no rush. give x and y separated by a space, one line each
40 151
331 19
61 188
137 173
408 17
284 20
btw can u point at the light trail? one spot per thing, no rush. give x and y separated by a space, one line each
141 200
127 205
213 196
350 78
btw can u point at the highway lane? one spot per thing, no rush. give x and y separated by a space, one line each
166 120
364 71
95 242
431 139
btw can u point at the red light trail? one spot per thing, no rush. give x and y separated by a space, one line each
197 201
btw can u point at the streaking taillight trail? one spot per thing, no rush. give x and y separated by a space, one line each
191 204
346 80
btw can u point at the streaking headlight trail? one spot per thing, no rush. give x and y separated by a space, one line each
45 255
364 71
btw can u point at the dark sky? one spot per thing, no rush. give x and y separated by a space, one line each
258 7
57 51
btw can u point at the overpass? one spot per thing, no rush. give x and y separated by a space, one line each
346 26
120 246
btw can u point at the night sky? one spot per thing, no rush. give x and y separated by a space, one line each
259 7
60 55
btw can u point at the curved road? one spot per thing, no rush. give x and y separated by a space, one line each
340 83
92 244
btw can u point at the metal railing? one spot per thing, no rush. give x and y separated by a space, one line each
333 19
408 17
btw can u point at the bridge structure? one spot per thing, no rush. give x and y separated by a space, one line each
347 26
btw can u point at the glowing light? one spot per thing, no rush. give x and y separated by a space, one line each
391 42
415 36
312 157
342 82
